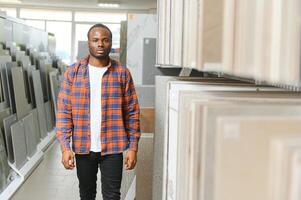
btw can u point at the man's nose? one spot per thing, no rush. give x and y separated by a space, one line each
100 43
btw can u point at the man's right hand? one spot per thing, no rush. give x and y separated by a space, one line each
68 159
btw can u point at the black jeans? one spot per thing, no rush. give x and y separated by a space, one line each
111 175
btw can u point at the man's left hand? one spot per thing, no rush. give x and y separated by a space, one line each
130 160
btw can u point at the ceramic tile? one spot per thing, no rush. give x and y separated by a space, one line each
30 134
37 132
7 123
9 79
19 92
189 138
19 144
55 87
296 176
241 142
203 86
49 116
39 102
3 61
281 156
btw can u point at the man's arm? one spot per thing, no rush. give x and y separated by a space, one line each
131 112
131 120
64 123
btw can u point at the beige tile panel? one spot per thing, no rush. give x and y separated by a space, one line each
282 150
295 192
242 154
191 145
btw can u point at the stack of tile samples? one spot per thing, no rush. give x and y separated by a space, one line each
255 39
21 105
261 40
171 142
190 33
223 141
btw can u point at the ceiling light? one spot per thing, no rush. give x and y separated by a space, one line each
10 1
108 3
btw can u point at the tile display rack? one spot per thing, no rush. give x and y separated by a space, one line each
20 175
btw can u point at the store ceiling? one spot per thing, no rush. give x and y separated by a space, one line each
88 4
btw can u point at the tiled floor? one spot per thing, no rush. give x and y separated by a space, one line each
50 181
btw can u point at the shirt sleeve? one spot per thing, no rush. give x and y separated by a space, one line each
64 125
131 112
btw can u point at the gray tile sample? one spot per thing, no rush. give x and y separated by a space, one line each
36 124
19 92
31 87
39 102
3 61
25 64
30 135
4 167
19 144
3 114
55 88
10 87
149 71
7 122
49 116
44 71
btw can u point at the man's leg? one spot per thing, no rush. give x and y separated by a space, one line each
111 175
87 168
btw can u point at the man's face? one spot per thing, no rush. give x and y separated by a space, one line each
99 43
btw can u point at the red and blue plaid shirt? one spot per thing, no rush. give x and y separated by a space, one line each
120 125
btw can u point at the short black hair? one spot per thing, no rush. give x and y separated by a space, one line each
101 26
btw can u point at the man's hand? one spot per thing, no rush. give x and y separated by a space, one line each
68 159
130 160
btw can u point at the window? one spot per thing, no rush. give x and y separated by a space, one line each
40 24
62 31
46 14
99 17
12 12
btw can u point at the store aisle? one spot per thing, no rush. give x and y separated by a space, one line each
50 181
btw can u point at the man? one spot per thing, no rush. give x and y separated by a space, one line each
98 108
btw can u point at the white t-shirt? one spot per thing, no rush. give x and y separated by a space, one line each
95 77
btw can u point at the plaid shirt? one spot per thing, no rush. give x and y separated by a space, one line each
120 125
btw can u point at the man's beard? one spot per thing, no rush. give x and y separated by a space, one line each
100 57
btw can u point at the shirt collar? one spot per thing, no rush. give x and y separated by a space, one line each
85 62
